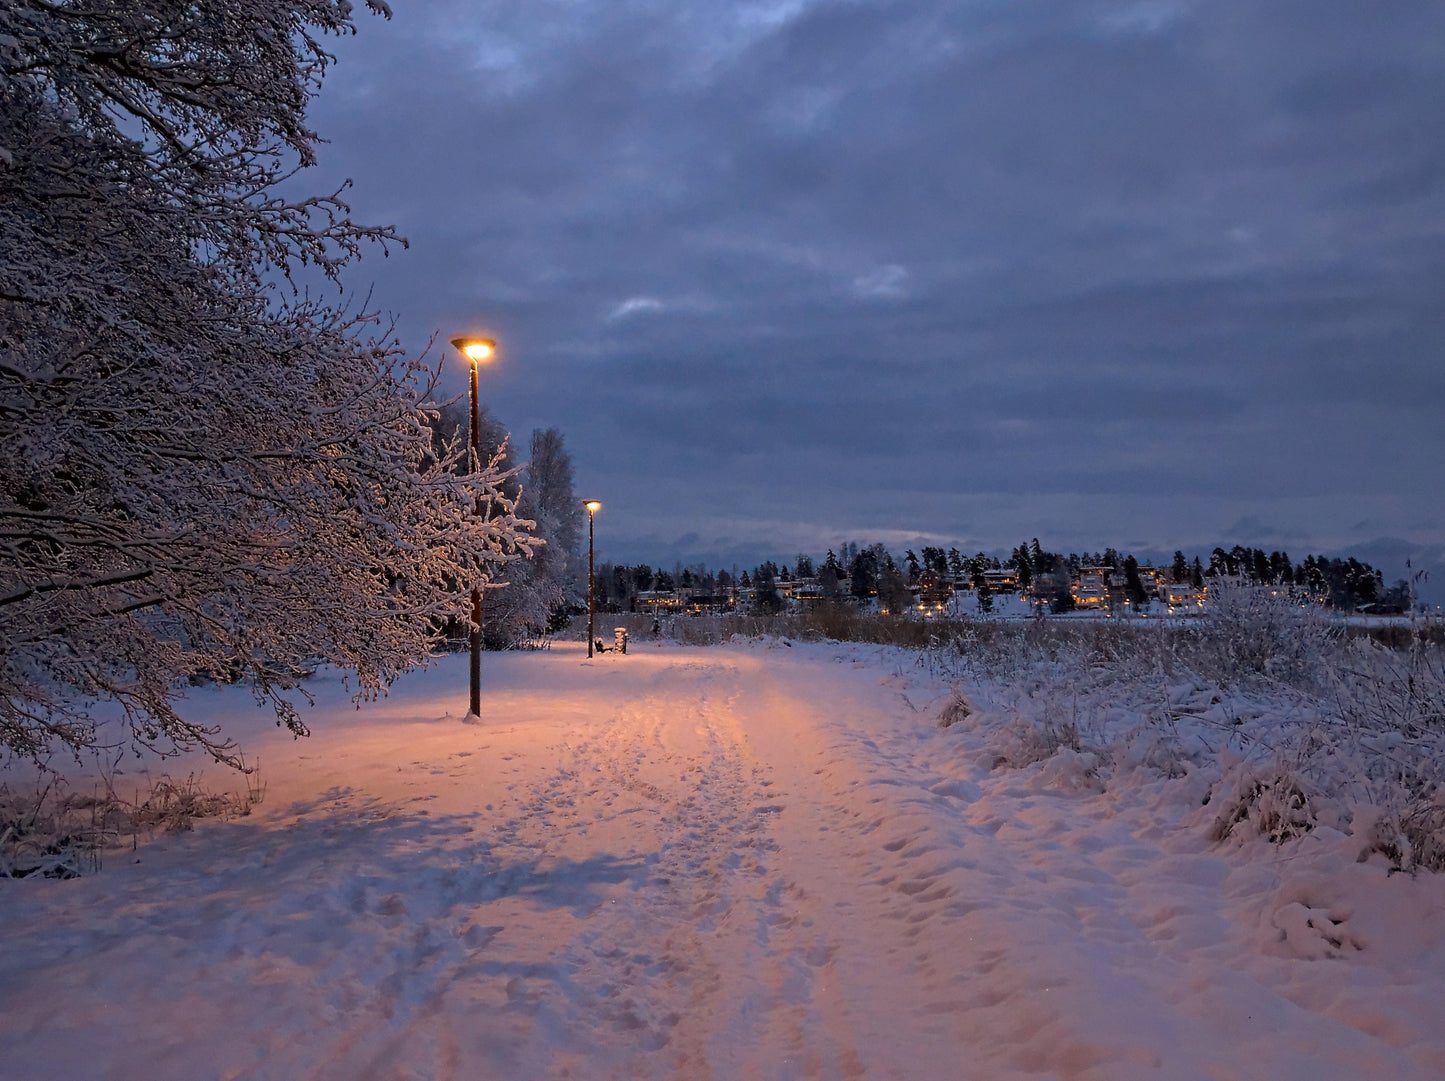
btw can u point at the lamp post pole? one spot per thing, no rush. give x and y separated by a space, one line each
592 508
476 350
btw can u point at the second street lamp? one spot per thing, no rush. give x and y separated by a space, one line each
477 351
592 508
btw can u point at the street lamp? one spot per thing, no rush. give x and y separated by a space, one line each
592 508
477 351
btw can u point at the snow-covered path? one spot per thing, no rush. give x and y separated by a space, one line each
748 862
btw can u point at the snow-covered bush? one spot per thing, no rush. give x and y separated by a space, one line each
1389 711
1250 631
200 474
54 832
1281 722
1272 803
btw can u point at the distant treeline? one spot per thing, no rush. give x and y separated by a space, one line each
871 571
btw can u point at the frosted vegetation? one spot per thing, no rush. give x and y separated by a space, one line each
1288 719
205 473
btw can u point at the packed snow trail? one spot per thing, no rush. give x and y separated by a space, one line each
750 862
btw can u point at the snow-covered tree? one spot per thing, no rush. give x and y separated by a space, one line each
538 593
200 474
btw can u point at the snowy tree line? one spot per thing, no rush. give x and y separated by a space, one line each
860 573
205 470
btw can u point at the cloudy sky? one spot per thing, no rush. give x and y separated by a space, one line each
785 273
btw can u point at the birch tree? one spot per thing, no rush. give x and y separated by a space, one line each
201 474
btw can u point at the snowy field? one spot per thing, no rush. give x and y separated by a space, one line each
758 860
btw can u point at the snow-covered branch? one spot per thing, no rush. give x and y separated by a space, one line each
196 480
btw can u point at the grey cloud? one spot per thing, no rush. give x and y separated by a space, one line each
878 253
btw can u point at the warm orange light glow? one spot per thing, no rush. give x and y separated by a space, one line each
593 506
476 349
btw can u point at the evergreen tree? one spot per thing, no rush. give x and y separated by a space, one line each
1219 563
1280 568
1133 585
935 562
956 569
765 594
1259 567
894 596
830 576
1180 570
977 566
863 575
1023 565
624 588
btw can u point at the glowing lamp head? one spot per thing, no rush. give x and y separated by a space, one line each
593 506
476 350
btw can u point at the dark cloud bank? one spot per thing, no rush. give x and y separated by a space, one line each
1148 274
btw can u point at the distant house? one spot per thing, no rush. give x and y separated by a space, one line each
934 591
805 591
799 589
1152 577
1092 588
1180 595
1002 581
658 601
698 603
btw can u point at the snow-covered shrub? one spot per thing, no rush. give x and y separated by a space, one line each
1071 770
35 839
1272 803
53 832
1412 839
1424 827
955 710
1388 709
174 806
1291 724
1026 740
1391 690
1255 631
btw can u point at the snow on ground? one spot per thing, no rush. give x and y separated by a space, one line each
754 861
